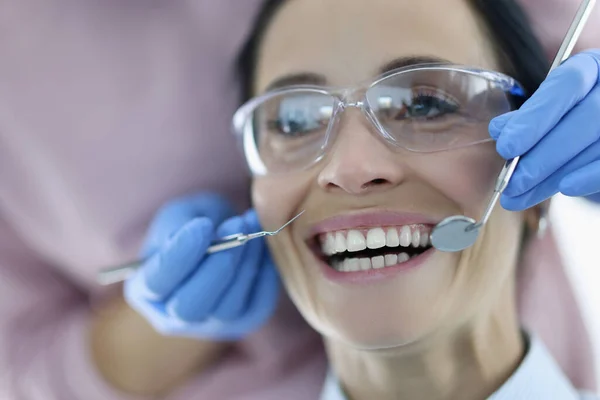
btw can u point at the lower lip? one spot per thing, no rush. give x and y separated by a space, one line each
373 275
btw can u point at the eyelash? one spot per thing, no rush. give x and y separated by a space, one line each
426 91
448 102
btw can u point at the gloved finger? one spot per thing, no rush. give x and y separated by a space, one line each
582 182
498 123
566 86
594 197
177 259
134 291
251 220
573 134
550 186
263 301
264 296
171 217
235 301
196 299
529 199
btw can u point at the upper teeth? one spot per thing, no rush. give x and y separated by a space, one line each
375 238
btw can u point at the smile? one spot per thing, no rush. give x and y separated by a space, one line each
364 248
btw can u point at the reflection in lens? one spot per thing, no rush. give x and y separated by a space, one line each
417 103
432 110
289 129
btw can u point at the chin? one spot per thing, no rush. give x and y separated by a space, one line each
398 313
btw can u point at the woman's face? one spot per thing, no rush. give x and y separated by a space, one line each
362 184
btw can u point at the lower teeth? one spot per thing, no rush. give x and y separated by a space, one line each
364 264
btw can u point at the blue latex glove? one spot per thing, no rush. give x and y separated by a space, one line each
182 291
557 133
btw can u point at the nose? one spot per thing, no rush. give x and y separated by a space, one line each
359 162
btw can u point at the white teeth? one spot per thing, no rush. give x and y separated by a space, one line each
375 238
351 264
424 239
340 243
416 238
365 264
405 236
403 257
338 265
391 259
378 262
392 239
329 245
356 241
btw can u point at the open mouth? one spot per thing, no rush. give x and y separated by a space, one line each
372 248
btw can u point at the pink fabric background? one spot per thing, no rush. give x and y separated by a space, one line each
551 19
107 110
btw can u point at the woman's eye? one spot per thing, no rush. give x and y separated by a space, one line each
426 107
417 104
299 118
294 127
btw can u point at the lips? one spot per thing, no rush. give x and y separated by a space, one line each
373 219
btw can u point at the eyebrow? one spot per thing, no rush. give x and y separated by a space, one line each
303 78
311 78
408 61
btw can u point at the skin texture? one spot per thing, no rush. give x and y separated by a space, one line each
120 339
449 326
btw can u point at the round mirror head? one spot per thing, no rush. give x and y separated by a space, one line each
454 233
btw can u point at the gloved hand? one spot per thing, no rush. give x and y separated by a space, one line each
557 133
182 291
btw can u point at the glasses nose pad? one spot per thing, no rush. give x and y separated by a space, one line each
331 132
370 114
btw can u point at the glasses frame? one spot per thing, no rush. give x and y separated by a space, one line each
344 99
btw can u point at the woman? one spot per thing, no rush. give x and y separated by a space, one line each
399 319
68 207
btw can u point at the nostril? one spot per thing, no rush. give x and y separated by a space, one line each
374 182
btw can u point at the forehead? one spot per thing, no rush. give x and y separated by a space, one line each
348 41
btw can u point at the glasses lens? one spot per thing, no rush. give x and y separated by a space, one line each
289 129
432 110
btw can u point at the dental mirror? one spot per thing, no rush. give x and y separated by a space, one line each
454 234
459 232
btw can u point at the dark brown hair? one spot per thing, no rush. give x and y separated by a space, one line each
519 51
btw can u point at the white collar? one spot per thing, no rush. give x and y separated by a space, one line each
537 378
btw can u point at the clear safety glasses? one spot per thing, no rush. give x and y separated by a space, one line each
424 108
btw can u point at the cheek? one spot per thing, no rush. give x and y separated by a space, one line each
277 199
487 269
465 176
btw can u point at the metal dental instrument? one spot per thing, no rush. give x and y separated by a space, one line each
459 232
117 274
